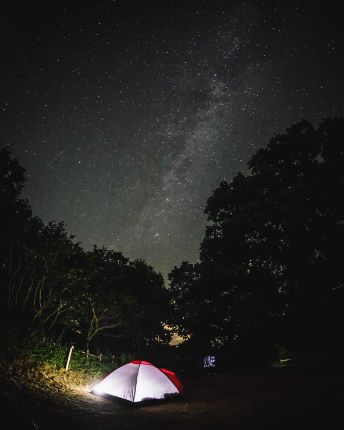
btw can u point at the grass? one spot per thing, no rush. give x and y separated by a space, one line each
45 352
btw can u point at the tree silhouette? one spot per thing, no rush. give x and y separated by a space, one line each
15 212
271 260
52 287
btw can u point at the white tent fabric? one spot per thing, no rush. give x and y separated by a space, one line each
137 381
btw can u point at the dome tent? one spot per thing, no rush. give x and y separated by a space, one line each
139 381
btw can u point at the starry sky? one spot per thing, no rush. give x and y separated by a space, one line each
128 114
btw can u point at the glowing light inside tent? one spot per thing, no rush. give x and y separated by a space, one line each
138 381
97 390
153 384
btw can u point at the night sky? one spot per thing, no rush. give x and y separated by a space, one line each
128 114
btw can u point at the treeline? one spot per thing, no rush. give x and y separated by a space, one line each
51 287
271 267
270 272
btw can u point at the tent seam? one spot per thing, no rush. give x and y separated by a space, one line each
137 375
170 380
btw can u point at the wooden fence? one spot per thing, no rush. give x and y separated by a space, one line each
100 357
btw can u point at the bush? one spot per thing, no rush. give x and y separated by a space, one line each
40 351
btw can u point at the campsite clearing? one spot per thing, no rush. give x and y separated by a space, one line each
278 398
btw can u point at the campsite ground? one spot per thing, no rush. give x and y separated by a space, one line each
277 399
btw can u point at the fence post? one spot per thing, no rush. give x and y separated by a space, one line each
69 357
100 357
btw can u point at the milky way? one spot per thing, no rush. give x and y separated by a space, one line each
128 114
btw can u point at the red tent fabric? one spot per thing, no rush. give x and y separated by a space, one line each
174 378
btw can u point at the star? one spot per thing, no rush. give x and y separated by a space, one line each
128 116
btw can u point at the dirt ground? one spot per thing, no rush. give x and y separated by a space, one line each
276 399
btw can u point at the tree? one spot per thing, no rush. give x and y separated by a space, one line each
43 282
269 258
148 308
15 213
50 285
121 304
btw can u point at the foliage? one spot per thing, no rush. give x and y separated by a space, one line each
15 212
35 351
271 267
97 299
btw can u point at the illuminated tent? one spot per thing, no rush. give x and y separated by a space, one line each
138 381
